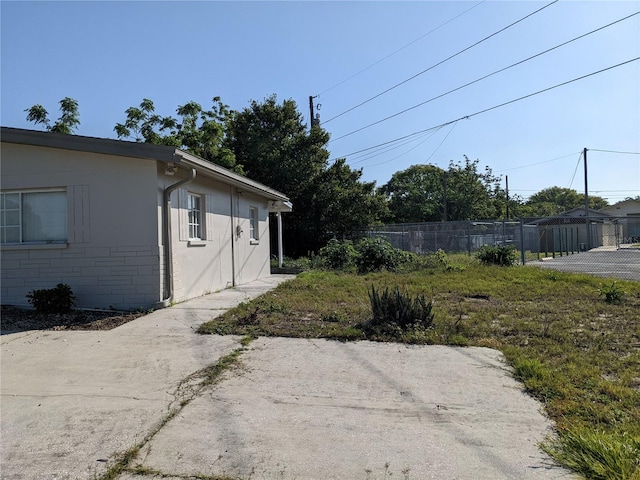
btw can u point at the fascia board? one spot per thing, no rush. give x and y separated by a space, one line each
217 172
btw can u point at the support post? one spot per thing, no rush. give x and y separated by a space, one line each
522 244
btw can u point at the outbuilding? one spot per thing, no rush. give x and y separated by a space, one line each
126 225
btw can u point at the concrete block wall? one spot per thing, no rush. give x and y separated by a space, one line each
121 278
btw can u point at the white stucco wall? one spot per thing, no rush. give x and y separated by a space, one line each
209 265
112 255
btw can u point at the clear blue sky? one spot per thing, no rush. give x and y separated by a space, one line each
111 55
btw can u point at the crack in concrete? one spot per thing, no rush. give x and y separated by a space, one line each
186 391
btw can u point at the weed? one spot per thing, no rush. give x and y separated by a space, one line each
612 293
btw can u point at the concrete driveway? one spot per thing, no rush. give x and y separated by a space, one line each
295 409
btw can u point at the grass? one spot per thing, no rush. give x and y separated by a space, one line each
575 352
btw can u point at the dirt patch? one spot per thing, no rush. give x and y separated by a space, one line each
18 320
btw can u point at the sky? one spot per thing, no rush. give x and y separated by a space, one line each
423 58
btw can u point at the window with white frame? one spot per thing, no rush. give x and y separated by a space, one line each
254 230
194 210
36 216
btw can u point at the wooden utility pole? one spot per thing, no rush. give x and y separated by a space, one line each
586 200
444 197
311 118
507 187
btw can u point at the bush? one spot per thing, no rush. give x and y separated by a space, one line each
338 255
395 312
503 255
53 300
375 254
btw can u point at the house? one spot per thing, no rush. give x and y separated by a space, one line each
127 225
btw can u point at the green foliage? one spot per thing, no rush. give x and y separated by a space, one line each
555 200
340 203
596 454
503 255
419 193
68 121
395 312
415 194
198 131
337 255
612 293
375 254
53 300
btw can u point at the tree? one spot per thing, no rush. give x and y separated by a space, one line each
341 204
555 200
198 131
471 194
274 146
272 143
418 193
68 121
415 194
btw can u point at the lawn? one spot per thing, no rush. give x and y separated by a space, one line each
576 352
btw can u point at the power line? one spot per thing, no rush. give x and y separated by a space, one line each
576 169
537 163
484 77
551 88
496 106
410 150
613 151
400 49
387 147
440 63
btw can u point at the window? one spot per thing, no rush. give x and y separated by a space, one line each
33 217
254 230
195 216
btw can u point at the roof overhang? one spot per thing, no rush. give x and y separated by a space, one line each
160 153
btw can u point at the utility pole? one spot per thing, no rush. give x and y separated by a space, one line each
586 201
444 197
507 186
313 119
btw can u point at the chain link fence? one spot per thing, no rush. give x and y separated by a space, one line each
534 238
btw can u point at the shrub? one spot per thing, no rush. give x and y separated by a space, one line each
375 254
503 255
338 255
395 312
53 300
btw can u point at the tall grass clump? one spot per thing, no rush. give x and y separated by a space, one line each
395 312
597 455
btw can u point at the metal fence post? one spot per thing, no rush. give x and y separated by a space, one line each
522 253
